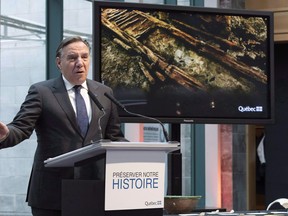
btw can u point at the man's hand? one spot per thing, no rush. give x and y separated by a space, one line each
4 131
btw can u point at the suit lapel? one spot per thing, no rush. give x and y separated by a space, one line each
62 97
96 113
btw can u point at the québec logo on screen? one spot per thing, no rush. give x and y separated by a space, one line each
250 109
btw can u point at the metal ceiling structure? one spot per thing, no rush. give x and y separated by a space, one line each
28 30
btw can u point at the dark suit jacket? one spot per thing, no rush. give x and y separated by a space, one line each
48 110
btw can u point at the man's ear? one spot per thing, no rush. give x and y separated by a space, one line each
58 63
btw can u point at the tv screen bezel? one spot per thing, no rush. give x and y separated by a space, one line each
96 49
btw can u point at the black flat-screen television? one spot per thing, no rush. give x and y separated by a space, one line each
183 64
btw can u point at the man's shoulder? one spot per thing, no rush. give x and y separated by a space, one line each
48 82
55 83
94 83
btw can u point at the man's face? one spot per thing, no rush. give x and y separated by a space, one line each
74 62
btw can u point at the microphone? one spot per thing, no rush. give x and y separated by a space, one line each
96 101
100 107
137 114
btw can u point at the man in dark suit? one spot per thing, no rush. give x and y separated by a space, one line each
50 109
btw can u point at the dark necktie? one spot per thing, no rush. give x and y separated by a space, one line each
82 116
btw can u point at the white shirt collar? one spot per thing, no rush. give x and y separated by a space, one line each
69 86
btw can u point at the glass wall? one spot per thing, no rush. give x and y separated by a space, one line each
22 62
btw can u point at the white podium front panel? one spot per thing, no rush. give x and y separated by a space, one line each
134 179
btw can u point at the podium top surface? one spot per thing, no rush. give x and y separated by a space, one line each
70 158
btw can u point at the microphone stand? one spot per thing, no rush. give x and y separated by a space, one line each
137 114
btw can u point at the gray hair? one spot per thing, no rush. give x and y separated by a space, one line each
70 40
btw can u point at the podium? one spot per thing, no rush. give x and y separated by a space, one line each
133 182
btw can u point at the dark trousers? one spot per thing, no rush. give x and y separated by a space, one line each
45 212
